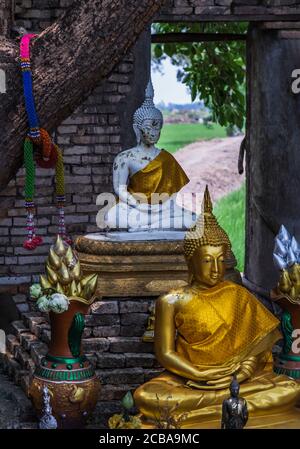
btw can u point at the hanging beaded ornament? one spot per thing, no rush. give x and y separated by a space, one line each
39 149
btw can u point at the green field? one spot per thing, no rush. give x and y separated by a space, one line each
176 136
230 212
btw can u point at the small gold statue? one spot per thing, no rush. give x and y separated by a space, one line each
206 332
148 336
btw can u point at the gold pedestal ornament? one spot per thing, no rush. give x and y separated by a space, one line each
68 375
287 295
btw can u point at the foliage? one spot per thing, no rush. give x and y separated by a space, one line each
213 71
230 212
176 136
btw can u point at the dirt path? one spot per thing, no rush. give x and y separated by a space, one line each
213 162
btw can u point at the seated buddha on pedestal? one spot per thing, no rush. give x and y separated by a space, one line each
209 331
146 180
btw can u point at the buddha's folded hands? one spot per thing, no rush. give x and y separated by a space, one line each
243 371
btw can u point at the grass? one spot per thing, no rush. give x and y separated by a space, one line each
175 136
230 212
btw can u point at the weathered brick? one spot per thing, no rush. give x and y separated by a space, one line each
78 180
63 140
67 129
121 376
88 208
26 340
128 319
28 316
128 306
127 344
107 360
24 307
18 327
134 330
214 10
81 170
139 360
19 298
82 199
114 139
29 260
72 160
118 78
11 343
105 307
95 344
34 322
5 222
106 331
76 219
45 336
90 139
102 320
21 356
38 352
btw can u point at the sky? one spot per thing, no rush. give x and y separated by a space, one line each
166 86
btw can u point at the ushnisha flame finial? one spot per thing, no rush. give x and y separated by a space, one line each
206 231
286 250
147 110
286 256
64 275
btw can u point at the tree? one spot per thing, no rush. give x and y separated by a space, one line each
68 60
213 71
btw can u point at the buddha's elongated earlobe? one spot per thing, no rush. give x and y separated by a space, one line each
137 132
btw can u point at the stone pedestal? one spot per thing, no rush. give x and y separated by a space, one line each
133 268
136 267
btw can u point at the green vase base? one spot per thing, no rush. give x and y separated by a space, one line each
59 375
294 373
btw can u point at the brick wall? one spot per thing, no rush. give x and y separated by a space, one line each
229 10
112 342
90 139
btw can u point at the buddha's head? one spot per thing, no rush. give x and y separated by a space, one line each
207 248
234 388
148 120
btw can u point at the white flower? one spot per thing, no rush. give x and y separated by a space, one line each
36 291
43 304
59 303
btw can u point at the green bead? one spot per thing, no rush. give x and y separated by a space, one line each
81 365
54 365
69 367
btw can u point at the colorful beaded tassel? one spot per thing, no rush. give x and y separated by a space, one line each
39 149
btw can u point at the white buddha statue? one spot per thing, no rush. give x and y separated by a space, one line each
146 180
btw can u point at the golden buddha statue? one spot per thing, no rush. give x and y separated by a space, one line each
209 331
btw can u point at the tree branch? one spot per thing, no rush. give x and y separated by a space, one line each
69 59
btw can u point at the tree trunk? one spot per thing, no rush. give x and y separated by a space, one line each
273 156
6 16
68 61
